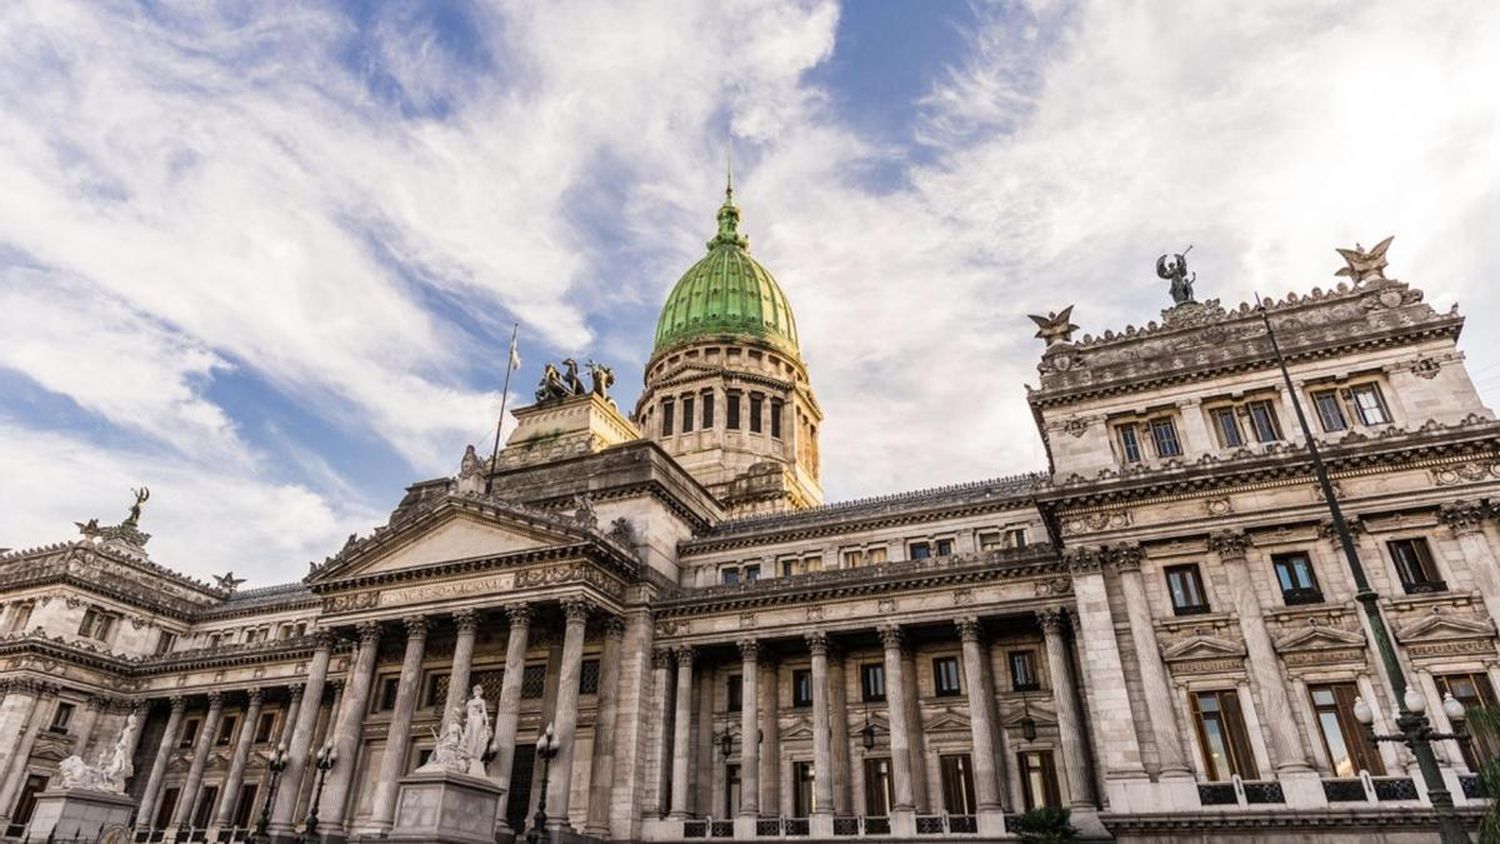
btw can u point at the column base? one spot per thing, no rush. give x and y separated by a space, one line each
903 823
1302 788
1085 819
991 822
744 826
820 825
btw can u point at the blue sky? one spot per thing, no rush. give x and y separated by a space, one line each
264 257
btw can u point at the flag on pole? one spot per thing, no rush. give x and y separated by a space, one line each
515 357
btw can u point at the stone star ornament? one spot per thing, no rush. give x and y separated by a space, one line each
1363 265
228 582
1055 327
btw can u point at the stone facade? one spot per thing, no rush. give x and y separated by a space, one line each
1157 633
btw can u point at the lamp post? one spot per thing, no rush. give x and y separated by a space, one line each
546 748
1028 723
867 735
327 757
726 744
1416 704
1416 732
277 764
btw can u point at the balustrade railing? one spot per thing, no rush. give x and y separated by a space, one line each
850 826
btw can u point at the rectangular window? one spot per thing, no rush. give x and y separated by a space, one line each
853 559
707 400
437 689
945 547
1473 691
96 624
1130 446
756 401
919 551
801 687
989 540
875 555
731 790
62 716
165 642
1294 573
732 410
1370 404
26 805
189 733
1015 538
1330 412
207 797
264 726
588 677
21 619
729 576
245 805
668 416
1023 676
1349 751
1415 566
788 567
167 808
879 789
1038 779
226 729
1221 734
752 573
945 676
1227 427
533 682
958 784
1164 437
1263 421
1185 585
734 691
872 682
776 418
687 414
802 785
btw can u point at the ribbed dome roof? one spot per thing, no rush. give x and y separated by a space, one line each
727 292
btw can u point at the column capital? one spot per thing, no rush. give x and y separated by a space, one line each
1051 620
296 690
684 656
1125 557
324 639
519 614
177 702
891 636
614 627
817 643
1083 560
661 657
254 697
1464 517
467 620
750 649
215 699
576 610
969 629
1354 523
96 702
368 632
416 626
1229 544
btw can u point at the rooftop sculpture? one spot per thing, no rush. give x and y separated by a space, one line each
1056 326
1363 265
1173 267
558 384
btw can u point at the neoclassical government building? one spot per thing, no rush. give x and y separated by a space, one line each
1156 630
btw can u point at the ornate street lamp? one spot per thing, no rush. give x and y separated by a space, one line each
546 748
277 764
867 735
1416 732
1028 723
327 757
1416 704
726 743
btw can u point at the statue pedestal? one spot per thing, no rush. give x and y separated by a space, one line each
446 807
81 813
561 428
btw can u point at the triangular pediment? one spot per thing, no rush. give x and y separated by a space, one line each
1316 638
947 721
1444 626
1202 647
454 529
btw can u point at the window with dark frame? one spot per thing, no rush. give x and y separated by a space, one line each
707 401
732 410
872 682
1295 576
751 572
1370 404
1330 411
588 677
533 682
756 401
1263 422
1415 566
802 789
957 777
263 727
245 804
776 411
1222 736
668 416
165 642
1185 585
945 682
945 547
729 576
1349 749
919 551
389 687
62 716
1130 444
1023 676
1164 437
734 691
1227 427
802 692
226 729
687 414
189 733
1038 779
879 789
731 790
1473 690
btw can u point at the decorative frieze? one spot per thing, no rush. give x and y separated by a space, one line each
1077 525
1465 517
1471 472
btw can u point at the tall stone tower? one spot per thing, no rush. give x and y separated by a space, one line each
727 393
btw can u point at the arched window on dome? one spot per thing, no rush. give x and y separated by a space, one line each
776 410
668 412
707 399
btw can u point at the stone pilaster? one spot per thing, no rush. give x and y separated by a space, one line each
346 730
559 799
663 683
682 733
817 644
749 728
467 622
187 802
15 772
981 728
1465 519
83 726
509 708
393 761
838 700
283 815
903 814
602 765
770 731
151 797
1070 725
1158 691
235 778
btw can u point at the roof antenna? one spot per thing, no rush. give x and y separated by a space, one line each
729 171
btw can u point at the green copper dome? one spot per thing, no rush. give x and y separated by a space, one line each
727 293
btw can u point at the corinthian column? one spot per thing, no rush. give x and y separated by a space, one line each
602 766
188 801
981 728
235 778
151 797
817 644
1065 700
1109 697
1261 658
682 734
895 701
749 729
463 659
346 730
83 728
509 708
393 761
1466 520
302 735
576 613
1159 697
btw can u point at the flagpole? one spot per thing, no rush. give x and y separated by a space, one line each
510 361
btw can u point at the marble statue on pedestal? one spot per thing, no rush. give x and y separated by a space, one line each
109 771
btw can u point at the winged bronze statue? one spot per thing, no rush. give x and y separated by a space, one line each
1364 265
1055 327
